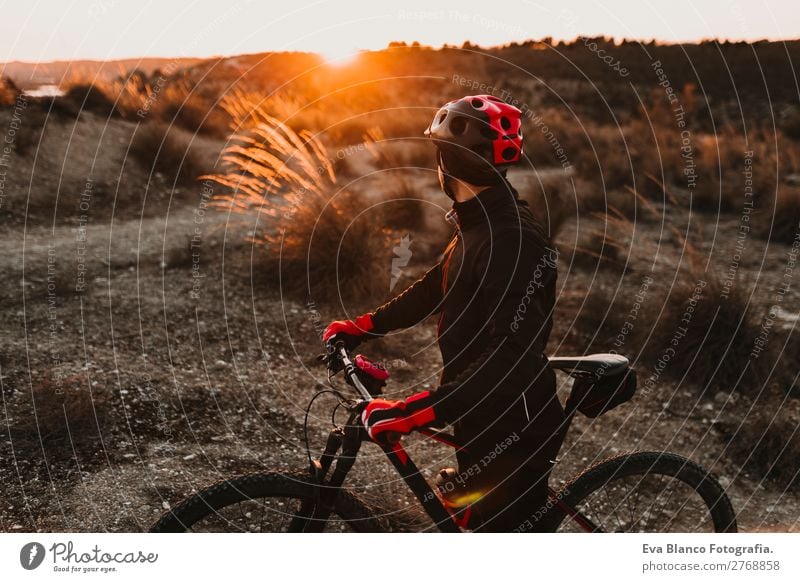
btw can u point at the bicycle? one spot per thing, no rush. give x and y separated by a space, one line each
605 497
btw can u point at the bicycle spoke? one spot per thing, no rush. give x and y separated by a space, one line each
261 517
665 504
631 513
648 514
638 495
614 508
650 492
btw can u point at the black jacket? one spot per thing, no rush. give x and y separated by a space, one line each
494 291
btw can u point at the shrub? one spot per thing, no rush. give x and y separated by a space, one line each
601 251
192 111
181 256
399 153
80 98
59 414
161 148
313 235
622 203
404 207
30 131
606 160
327 249
780 221
8 92
767 441
551 139
710 332
601 318
551 201
790 123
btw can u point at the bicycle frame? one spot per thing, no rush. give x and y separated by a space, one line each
343 445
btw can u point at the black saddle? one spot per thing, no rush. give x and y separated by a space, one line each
598 364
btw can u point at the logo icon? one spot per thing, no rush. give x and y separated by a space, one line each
402 255
31 555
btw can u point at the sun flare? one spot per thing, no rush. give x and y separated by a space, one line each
338 56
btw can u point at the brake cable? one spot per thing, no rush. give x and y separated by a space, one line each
342 401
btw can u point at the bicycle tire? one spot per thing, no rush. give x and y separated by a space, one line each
649 464
211 501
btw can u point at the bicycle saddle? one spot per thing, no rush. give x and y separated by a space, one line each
605 364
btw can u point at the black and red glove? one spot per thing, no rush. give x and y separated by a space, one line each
382 417
350 331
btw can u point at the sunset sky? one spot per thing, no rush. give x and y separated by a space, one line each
109 29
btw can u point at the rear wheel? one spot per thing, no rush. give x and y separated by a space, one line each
647 492
262 502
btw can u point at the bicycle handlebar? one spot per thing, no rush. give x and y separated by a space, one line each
338 349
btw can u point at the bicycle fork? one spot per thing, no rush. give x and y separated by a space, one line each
314 513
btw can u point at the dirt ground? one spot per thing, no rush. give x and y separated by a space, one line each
201 369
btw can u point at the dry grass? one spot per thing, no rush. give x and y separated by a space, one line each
707 330
405 207
708 338
389 154
8 92
313 236
551 201
602 251
135 97
790 123
767 442
629 203
30 132
164 149
647 153
783 223
712 333
601 319
58 415
549 131
80 98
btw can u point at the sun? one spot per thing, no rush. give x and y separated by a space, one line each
338 56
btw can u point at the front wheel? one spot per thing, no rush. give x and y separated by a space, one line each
646 492
262 502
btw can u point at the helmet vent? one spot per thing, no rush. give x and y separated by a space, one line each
505 123
458 125
509 154
478 103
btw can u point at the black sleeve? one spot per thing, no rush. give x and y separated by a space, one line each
519 272
412 306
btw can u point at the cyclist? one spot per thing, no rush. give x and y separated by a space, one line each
494 292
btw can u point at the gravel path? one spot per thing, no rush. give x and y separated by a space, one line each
194 374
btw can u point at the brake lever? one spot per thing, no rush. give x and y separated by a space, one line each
330 360
354 406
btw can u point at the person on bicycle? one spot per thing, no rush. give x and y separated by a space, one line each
494 293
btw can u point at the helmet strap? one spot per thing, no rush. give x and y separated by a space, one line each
445 179
470 168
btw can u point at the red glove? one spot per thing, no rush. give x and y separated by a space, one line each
398 416
351 331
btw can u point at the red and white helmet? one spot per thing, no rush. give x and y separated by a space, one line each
479 124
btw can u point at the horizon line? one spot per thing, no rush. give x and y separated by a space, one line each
410 44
